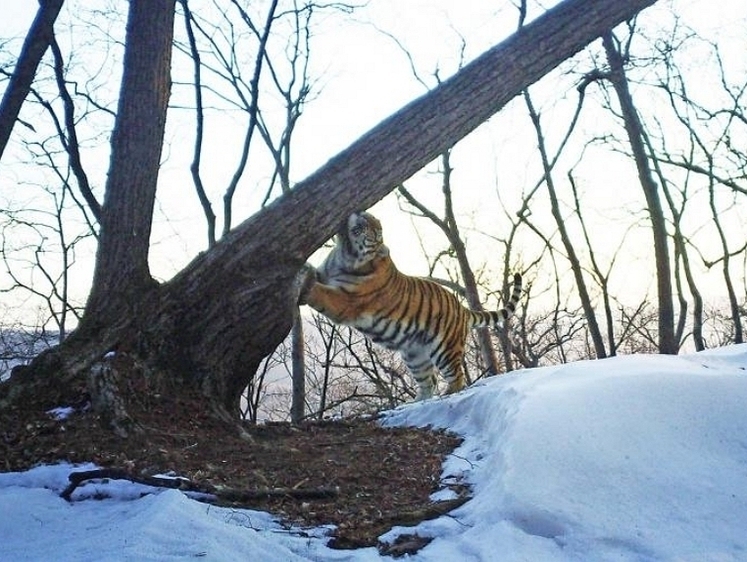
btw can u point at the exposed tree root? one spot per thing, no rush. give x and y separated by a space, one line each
220 494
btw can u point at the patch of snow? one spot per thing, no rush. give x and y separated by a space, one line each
61 413
638 458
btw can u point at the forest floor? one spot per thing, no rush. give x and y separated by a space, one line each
354 474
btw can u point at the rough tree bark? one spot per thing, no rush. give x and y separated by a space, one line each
122 274
210 326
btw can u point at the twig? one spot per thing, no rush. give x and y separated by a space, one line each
224 494
412 517
235 495
77 478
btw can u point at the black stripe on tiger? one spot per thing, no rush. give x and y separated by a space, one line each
359 285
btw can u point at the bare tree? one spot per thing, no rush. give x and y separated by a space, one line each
245 93
287 73
639 329
449 226
576 268
207 207
360 374
42 266
693 161
602 277
346 374
681 259
188 325
37 41
722 123
636 134
256 392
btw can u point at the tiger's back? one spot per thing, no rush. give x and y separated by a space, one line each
360 286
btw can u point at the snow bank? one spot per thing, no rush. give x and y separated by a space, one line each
627 459
630 458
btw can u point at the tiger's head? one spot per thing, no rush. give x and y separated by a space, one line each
362 238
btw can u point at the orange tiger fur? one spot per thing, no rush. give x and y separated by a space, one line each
358 285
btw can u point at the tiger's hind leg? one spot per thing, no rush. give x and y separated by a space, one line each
422 371
453 372
427 384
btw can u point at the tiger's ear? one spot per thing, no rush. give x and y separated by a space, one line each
342 238
342 231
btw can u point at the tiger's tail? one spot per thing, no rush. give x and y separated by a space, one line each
498 317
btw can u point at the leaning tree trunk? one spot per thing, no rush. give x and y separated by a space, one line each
37 42
250 273
214 322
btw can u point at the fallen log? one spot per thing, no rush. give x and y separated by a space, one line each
184 484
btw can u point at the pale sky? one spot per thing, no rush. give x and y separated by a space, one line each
362 77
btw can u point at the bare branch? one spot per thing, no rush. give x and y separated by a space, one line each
37 41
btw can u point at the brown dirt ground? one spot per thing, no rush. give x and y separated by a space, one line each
379 477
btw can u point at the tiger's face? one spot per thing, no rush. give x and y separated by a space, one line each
362 237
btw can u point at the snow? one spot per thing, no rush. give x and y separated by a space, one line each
637 458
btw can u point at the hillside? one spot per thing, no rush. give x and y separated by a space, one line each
630 458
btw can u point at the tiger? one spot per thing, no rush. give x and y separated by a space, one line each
358 285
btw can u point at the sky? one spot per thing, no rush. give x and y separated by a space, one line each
627 459
633 458
361 77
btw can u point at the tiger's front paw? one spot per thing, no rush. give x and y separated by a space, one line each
305 279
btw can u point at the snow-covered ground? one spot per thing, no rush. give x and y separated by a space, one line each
632 458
